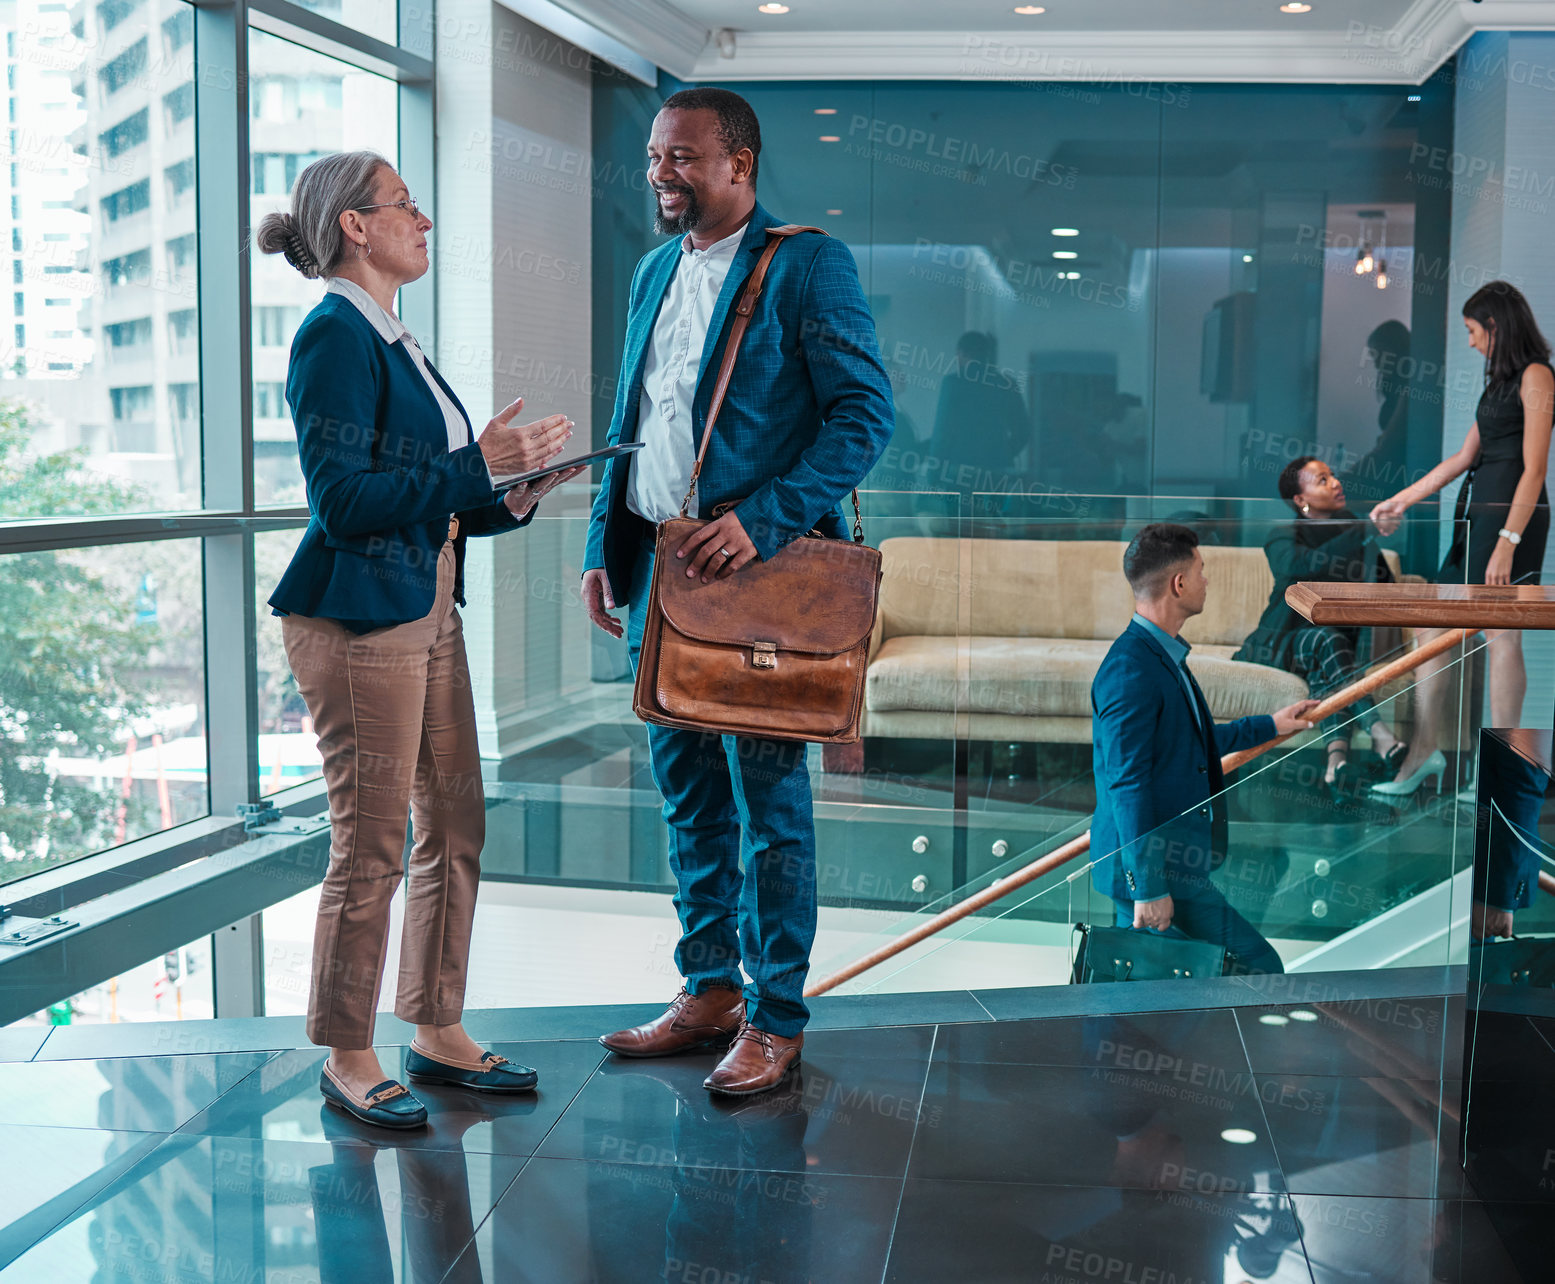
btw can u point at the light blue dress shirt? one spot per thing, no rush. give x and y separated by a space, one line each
1178 650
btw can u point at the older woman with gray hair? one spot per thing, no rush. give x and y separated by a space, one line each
396 483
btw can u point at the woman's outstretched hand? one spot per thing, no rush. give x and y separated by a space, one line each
1388 516
521 449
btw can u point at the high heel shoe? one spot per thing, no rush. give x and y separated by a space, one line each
1435 765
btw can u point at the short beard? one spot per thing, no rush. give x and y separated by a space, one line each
689 220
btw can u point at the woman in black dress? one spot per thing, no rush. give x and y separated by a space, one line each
1327 543
1503 497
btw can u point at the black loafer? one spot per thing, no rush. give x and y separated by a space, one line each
388 1105
491 1074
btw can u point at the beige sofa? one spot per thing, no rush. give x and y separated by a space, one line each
999 639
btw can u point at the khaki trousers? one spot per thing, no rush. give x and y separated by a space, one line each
396 725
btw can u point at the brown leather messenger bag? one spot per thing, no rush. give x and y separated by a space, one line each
776 650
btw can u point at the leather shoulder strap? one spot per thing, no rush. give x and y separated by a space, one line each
742 319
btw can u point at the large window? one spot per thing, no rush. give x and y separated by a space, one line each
102 693
302 105
119 397
88 213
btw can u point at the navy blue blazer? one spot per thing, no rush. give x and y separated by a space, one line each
1155 831
807 414
381 480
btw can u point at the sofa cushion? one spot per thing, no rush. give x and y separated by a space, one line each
1046 677
1066 589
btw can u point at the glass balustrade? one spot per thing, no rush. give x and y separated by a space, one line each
975 759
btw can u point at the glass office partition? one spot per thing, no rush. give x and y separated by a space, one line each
1123 288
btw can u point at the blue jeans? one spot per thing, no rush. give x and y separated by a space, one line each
728 800
1209 916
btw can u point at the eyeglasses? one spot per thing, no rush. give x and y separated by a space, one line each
408 205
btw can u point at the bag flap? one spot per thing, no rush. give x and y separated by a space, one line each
816 596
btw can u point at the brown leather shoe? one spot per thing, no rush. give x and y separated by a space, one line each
756 1062
690 1021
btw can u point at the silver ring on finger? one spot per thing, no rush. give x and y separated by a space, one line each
726 552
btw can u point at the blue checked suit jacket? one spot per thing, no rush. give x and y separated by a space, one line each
807 414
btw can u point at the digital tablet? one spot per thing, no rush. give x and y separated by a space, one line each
511 480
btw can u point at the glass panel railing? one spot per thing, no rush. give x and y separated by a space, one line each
975 759
1509 1047
1335 879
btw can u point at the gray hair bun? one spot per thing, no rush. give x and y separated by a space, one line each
279 234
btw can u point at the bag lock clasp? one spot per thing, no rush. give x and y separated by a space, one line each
763 655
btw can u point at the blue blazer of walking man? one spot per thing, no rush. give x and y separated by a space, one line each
807 414
1160 829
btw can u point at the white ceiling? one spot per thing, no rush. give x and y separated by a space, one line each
1062 15
1338 42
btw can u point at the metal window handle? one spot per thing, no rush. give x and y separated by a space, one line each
920 844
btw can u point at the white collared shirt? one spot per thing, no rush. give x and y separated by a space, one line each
392 330
661 470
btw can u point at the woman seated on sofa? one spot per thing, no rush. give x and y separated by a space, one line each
1326 543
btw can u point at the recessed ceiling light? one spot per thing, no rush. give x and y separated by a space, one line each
1066 231
1065 254
1414 98
825 111
1295 6
1247 258
1070 276
831 138
1029 9
1273 1018
772 8
834 213
1301 1014
1239 1136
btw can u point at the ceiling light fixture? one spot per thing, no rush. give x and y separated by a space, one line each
831 138
1301 1014
1065 254
833 213
1239 1136
772 8
1294 7
1066 231
1029 10
1382 274
1273 1018
1247 258
825 111
1071 276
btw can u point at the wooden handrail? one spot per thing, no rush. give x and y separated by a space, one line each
1341 699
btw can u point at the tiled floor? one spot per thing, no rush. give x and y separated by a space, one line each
1309 1142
